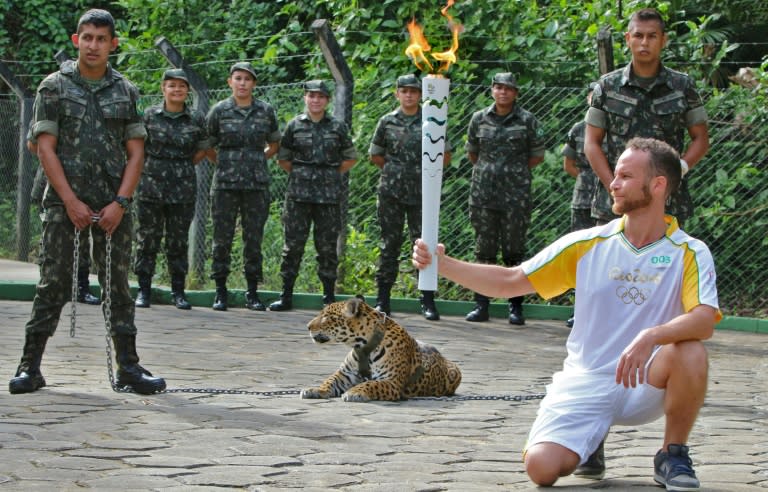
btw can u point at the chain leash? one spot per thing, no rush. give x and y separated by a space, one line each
107 306
107 295
218 391
75 268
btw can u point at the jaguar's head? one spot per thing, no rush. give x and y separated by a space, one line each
350 322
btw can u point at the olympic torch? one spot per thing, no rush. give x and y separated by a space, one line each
434 123
434 117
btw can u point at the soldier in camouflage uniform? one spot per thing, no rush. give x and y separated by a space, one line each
396 150
504 143
315 150
644 99
176 141
244 133
91 145
575 163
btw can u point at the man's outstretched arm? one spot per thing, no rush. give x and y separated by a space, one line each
489 280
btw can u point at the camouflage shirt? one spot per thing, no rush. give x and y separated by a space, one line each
240 136
586 180
627 106
172 140
501 178
316 151
398 138
91 120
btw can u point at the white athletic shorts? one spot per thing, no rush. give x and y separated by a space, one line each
579 409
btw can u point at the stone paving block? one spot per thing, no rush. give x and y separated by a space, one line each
96 438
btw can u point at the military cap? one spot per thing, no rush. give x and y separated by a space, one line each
317 86
505 78
245 67
591 86
409 80
175 73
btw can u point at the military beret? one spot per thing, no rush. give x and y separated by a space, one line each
245 67
175 73
317 86
505 78
409 80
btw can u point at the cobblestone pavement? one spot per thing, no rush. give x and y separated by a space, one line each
78 434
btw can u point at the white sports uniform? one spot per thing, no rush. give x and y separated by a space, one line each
620 290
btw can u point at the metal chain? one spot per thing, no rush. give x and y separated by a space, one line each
534 396
218 391
75 268
107 301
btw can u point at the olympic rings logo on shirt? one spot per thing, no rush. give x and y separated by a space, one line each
631 295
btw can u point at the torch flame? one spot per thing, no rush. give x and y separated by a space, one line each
419 45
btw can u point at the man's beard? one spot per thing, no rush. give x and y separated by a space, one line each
630 205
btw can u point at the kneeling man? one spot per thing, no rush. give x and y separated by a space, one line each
645 300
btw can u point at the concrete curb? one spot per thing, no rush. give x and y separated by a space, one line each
25 291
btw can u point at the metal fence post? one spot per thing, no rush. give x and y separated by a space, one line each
604 51
203 169
24 178
342 109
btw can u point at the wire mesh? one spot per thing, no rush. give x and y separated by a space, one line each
729 187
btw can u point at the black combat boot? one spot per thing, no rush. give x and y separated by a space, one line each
329 291
178 296
28 377
516 311
220 302
129 372
83 289
383 299
252 300
428 307
285 303
480 312
145 291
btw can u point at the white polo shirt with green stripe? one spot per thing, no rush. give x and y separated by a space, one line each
620 289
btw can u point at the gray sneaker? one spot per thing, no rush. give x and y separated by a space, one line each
594 467
674 469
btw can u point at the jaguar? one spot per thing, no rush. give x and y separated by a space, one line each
385 362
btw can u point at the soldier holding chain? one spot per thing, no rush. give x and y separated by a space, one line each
91 145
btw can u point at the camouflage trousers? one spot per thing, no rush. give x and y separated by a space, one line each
499 230
253 208
581 218
155 218
392 215
54 289
297 220
84 265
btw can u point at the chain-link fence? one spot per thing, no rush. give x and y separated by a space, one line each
729 187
